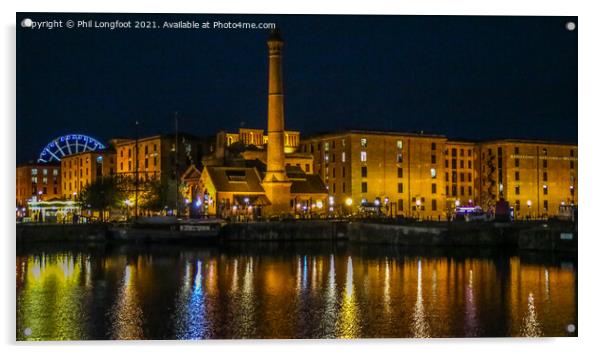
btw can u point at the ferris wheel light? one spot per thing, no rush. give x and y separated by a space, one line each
66 145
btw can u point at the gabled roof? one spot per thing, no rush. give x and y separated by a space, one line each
235 179
304 183
191 173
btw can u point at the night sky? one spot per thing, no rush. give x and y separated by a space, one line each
465 77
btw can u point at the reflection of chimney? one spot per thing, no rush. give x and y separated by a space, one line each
275 155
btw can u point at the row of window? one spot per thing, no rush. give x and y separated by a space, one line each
454 176
34 172
454 164
454 191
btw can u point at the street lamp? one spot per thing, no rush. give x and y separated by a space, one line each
529 206
418 203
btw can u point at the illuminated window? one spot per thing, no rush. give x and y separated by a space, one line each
399 144
326 158
343 156
433 173
399 158
363 156
45 172
34 171
364 142
545 189
326 146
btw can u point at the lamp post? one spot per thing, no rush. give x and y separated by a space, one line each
349 202
529 207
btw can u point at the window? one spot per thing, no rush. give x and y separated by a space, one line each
326 157
469 163
363 156
334 187
307 167
446 163
454 177
469 177
572 153
399 158
364 171
516 150
146 149
517 190
462 190
364 187
516 163
343 172
545 152
433 173
545 189
517 176
517 205
334 158
446 176
399 187
545 176
434 204
454 164
45 172
469 190
454 191
343 187
433 159
469 152
343 156
364 142
399 144
433 146
461 176
326 146
334 172
461 163
461 152
545 163
454 152
545 205
400 204
434 188
572 163
399 172
446 190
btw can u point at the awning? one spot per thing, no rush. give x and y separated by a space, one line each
253 200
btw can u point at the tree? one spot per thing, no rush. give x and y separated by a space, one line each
102 195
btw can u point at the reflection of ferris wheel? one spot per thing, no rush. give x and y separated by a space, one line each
67 145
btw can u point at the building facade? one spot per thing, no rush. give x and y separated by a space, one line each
535 177
37 181
403 174
427 176
81 169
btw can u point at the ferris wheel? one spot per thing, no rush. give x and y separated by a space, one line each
68 145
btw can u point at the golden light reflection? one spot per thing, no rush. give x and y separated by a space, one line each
49 304
470 320
531 326
420 326
348 325
126 314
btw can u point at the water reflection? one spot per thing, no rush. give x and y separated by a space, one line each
420 326
323 293
126 314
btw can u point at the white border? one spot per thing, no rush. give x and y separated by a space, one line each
590 59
